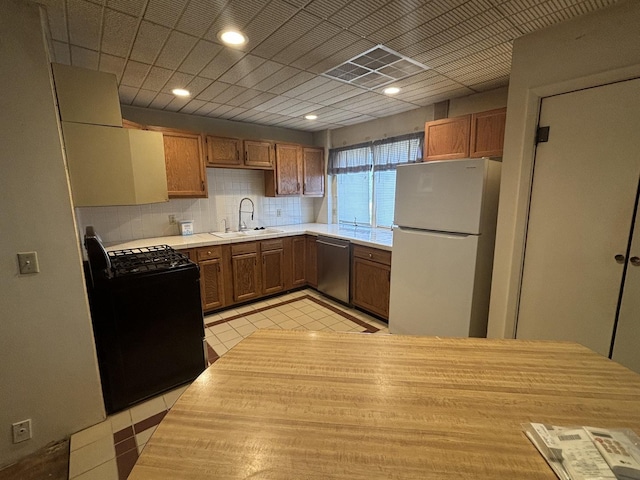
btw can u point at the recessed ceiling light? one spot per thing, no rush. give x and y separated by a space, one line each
391 90
311 117
180 92
232 37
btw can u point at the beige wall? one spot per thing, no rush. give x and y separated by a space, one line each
591 50
214 126
48 369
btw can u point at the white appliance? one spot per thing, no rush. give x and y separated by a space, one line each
442 254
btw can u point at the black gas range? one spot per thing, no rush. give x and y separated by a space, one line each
147 320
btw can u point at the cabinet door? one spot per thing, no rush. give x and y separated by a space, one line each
487 133
272 271
299 260
447 138
211 284
245 276
223 152
288 167
185 165
313 171
312 262
371 285
258 154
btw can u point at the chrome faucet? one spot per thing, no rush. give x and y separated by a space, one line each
241 224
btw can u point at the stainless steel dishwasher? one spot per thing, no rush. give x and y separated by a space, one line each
333 268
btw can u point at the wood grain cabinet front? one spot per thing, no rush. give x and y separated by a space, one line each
211 277
313 172
244 264
258 154
311 261
371 280
186 176
272 260
487 133
224 152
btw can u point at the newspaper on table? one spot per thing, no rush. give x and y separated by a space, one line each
572 454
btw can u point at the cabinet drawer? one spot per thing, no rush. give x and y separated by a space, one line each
271 244
241 248
373 254
207 253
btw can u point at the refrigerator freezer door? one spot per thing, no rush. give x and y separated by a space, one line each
441 196
432 284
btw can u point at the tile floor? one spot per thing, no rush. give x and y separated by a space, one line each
109 450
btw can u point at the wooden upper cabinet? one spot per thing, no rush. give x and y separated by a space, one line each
184 160
258 154
223 152
313 171
447 138
487 133
288 169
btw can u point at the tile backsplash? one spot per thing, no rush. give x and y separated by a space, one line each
226 188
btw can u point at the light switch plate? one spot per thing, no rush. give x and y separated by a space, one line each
28 262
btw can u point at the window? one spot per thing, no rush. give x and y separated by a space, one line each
366 178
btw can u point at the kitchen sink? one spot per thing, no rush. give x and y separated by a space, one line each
246 233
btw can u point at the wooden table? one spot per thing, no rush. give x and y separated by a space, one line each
316 405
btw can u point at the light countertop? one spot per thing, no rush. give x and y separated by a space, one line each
381 238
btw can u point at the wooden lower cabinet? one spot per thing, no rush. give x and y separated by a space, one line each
298 261
245 272
272 254
371 279
211 284
311 261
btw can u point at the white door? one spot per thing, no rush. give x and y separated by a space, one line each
582 201
626 345
442 196
432 283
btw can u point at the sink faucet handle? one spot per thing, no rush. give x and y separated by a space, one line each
226 227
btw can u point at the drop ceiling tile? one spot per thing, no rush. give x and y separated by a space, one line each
84 58
233 112
149 42
111 64
176 104
206 108
175 50
156 78
490 84
259 74
311 84
305 44
198 16
57 19
144 97
385 15
178 80
161 101
243 97
344 92
61 52
354 11
192 106
130 7
280 77
118 33
85 20
299 109
273 105
219 110
199 57
164 12
221 63
241 69
257 100
295 81
230 93
325 8
198 85
127 94
134 74
212 91
236 14
329 86
289 33
333 51
272 17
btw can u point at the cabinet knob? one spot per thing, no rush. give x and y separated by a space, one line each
370 255
635 261
620 258
209 252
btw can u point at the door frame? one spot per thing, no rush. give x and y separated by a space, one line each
505 291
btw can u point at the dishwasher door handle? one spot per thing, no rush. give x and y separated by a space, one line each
332 244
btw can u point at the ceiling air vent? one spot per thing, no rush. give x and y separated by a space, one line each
375 68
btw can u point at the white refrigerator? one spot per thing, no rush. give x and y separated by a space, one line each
442 254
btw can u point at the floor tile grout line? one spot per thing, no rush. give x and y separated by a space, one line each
258 310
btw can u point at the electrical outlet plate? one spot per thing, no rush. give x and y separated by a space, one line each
22 431
28 262
278 212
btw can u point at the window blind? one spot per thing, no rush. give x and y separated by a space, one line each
352 159
394 151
